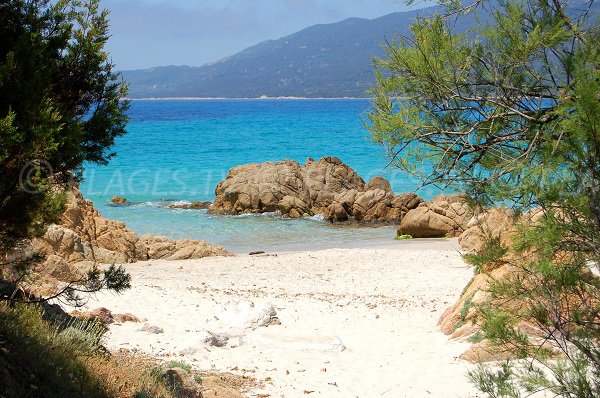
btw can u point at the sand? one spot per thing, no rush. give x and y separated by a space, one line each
355 322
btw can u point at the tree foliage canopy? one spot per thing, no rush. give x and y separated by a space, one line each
497 97
510 112
60 105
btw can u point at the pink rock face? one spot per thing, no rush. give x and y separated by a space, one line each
161 247
101 314
495 223
104 315
327 187
462 319
444 216
84 220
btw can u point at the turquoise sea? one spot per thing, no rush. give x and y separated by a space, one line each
178 150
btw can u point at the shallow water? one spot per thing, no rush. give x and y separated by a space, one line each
178 150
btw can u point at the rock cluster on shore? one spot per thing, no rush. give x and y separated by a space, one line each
462 319
83 234
330 188
82 237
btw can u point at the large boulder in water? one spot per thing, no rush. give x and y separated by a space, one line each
325 179
372 204
284 186
258 188
327 187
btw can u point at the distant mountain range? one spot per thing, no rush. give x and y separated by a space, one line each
332 60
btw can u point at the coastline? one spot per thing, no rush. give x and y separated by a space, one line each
419 244
353 321
283 98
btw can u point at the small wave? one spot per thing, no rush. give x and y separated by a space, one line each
272 214
161 203
178 203
148 204
138 205
316 217
126 204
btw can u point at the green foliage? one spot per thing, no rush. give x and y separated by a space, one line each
496 383
485 108
491 255
180 364
84 335
33 351
572 379
510 112
60 106
464 311
114 278
403 237
476 338
51 358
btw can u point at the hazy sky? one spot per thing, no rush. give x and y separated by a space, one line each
147 33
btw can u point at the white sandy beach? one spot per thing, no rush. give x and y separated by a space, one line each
355 322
